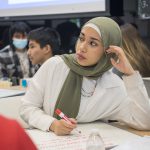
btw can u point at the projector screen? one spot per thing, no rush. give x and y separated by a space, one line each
20 8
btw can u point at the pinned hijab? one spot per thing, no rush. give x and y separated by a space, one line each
69 98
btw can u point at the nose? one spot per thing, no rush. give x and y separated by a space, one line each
28 51
83 47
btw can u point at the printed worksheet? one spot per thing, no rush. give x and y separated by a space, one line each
50 141
112 136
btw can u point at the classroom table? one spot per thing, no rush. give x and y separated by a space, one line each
129 129
116 132
112 136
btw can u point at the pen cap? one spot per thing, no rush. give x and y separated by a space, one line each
58 111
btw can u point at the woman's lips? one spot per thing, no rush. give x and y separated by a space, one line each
80 57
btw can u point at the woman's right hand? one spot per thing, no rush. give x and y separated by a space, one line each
61 127
122 64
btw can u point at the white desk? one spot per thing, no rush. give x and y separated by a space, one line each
10 93
9 107
49 141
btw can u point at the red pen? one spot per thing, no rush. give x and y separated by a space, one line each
63 116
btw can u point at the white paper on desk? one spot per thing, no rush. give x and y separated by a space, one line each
49 141
140 143
9 93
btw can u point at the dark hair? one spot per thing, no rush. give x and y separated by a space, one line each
20 27
118 20
46 36
69 33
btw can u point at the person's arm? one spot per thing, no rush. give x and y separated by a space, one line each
61 127
139 103
31 109
135 109
121 64
44 82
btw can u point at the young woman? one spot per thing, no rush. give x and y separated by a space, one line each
83 86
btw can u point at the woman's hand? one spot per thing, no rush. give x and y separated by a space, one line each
122 64
61 127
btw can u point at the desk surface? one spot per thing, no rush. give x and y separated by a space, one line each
49 141
13 110
124 127
10 93
16 88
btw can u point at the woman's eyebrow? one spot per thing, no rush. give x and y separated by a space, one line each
81 33
90 37
95 39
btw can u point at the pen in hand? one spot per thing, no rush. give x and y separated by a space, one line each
63 116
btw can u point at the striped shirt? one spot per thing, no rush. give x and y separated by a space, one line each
10 66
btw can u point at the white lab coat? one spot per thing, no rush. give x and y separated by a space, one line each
113 99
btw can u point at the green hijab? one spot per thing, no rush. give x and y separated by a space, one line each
69 98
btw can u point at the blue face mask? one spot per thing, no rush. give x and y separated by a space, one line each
20 43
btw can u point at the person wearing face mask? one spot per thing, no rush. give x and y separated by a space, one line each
14 62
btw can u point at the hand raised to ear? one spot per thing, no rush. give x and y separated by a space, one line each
122 63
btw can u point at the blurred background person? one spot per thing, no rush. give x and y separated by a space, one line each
5 38
69 33
14 62
44 43
135 49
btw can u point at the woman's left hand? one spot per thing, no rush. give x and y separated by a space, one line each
122 64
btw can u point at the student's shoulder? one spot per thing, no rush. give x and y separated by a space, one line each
109 79
55 60
54 63
5 49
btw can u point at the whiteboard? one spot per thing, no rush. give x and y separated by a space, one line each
9 8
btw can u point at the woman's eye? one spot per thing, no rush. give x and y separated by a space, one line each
93 43
81 38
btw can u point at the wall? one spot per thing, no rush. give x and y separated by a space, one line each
131 15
